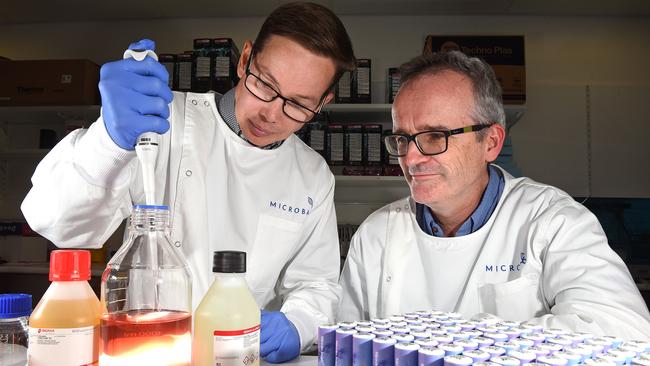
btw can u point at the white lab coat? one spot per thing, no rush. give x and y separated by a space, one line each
570 277
224 194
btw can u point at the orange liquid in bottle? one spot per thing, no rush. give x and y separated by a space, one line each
145 337
66 305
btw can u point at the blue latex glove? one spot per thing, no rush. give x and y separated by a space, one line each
135 97
279 339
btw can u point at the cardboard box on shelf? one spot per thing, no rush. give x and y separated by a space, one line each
504 53
49 82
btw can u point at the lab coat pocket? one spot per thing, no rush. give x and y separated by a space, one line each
519 299
275 242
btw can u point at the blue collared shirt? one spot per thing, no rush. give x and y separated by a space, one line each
478 218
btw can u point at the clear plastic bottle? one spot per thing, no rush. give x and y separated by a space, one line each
14 333
147 297
64 325
227 321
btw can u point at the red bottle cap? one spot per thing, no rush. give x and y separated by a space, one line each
70 265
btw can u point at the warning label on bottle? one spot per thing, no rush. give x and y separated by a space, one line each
237 347
68 346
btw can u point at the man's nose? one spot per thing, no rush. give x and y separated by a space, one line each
413 154
272 111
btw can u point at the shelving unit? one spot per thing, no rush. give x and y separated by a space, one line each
19 146
356 197
23 153
357 107
55 113
353 181
381 113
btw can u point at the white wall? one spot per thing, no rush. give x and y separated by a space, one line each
563 56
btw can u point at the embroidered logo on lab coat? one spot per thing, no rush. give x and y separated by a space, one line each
507 267
294 209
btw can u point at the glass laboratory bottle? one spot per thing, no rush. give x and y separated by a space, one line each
227 321
146 297
14 316
64 325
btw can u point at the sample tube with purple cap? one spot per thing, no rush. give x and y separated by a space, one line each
430 356
327 344
362 349
383 351
344 347
406 354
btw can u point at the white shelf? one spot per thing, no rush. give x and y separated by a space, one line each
54 113
23 153
369 181
358 107
356 197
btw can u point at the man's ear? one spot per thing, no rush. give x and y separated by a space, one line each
494 138
243 58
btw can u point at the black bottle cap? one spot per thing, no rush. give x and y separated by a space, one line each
229 261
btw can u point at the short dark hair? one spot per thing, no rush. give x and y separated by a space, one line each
314 27
488 106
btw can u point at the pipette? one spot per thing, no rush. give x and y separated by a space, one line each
146 148
147 145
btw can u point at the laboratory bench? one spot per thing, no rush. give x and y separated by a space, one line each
303 360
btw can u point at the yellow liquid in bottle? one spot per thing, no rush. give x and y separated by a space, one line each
68 305
227 306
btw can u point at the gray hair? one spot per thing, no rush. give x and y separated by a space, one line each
488 106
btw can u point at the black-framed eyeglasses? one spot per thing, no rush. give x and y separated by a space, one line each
267 93
427 142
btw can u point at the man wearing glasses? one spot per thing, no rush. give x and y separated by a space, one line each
230 168
471 238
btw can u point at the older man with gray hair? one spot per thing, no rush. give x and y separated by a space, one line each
471 238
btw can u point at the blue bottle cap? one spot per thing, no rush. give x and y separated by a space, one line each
150 207
15 305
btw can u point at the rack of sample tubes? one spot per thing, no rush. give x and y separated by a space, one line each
434 338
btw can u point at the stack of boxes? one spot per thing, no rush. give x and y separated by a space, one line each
355 87
210 66
354 149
